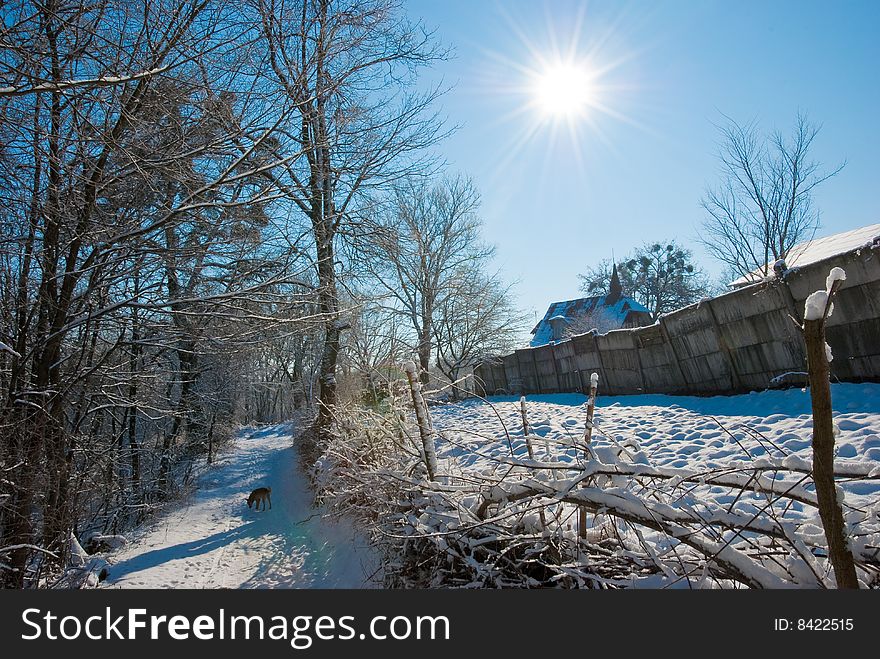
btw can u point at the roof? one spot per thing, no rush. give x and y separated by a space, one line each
570 310
818 249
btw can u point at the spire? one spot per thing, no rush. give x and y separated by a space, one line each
615 290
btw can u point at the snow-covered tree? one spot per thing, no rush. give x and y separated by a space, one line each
478 319
347 71
598 319
428 258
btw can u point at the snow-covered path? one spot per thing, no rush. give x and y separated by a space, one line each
214 541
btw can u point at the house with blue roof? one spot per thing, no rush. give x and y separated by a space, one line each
599 312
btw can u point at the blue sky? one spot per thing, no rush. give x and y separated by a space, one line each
553 205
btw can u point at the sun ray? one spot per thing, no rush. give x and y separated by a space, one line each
569 82
577 30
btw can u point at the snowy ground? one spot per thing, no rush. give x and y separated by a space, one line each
214 540
676 431
769 429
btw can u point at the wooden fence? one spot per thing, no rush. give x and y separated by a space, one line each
741 341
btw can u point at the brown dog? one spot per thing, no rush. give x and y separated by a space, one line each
260 495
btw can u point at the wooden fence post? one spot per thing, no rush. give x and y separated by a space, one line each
588 437
788 299
503 381
591 408
525 422
555 368
538 387
602 370
426 432
637 346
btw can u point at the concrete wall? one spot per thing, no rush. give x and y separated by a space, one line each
737 342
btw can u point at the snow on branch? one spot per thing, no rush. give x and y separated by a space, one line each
493 519
103 81
6 348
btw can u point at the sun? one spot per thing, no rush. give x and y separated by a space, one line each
563 86
564 90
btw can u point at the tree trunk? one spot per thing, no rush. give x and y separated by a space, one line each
425 349
133 447
19 528
426 431
57 511
211 438
823 455
187 358
329 308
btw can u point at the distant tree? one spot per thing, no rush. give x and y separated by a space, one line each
426 250
479 319
663 277
597 280
763 205
375 345
598 319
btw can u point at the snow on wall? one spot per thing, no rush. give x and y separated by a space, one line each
819 249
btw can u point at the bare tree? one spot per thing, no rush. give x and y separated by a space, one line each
420 253
478 319
375 345
347 69
763 205
598 319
